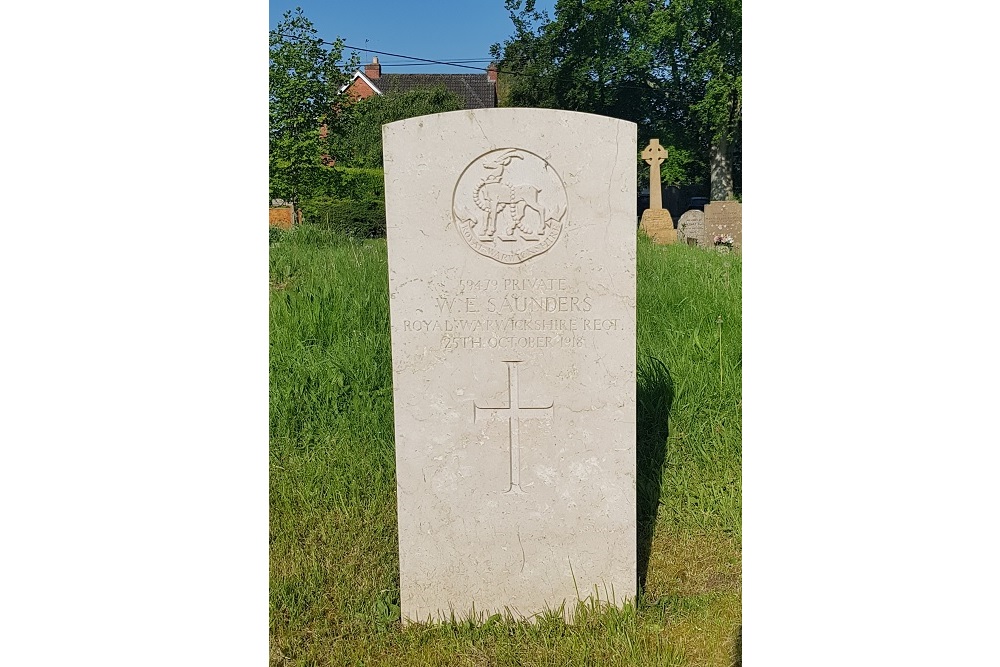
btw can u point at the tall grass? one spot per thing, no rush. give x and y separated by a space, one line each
689 316
334 589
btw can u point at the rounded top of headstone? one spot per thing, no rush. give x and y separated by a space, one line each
693 214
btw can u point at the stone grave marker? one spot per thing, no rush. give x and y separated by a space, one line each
656 221
724 218
281 215
512 307
691 228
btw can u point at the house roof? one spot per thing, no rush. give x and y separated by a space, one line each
475 90
361 75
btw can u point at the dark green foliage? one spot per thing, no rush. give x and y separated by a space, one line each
362 218
350 201
361 183
303 86
673 68
698 44
275 234
359 144
575 60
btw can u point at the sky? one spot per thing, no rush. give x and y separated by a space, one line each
446 30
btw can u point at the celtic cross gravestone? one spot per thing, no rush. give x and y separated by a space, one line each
656 221
654 155
511 241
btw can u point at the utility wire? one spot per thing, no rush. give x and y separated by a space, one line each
394 55
423 60
395 64
441 62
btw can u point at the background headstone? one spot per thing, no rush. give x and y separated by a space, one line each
692 226
656 221
724 218
658 226
282 216
512 303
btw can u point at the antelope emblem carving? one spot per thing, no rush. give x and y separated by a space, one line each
493 195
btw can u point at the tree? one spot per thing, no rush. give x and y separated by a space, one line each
674 69
698 50
359 143
582 60
303 85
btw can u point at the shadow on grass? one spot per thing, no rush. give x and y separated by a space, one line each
654 396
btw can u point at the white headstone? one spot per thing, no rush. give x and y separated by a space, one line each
511 237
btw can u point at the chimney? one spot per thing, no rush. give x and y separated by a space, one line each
373 70
491 72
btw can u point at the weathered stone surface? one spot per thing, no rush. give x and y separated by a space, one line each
654 155
724 218
511 241
656 221
692 226
282 216
658 226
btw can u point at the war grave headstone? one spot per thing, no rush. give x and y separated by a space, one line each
725 219
656 221
691 228
511 240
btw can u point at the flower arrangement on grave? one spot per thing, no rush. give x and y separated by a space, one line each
724 240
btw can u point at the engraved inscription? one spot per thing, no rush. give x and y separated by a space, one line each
509 205
514 412
724 219
691 227
512 314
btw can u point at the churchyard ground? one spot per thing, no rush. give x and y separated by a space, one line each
334 588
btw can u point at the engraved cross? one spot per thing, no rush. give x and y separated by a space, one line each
654 154
514 413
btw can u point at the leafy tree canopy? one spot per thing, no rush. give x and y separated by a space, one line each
674 68
303 85
359 141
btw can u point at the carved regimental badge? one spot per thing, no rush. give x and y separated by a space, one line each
509 204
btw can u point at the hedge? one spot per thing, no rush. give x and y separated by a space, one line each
358 183
361 218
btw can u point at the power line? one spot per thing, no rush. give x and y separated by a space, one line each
449 60
620 84
424 60
415 65
395 64
394 55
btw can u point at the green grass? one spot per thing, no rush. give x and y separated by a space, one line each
334 589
